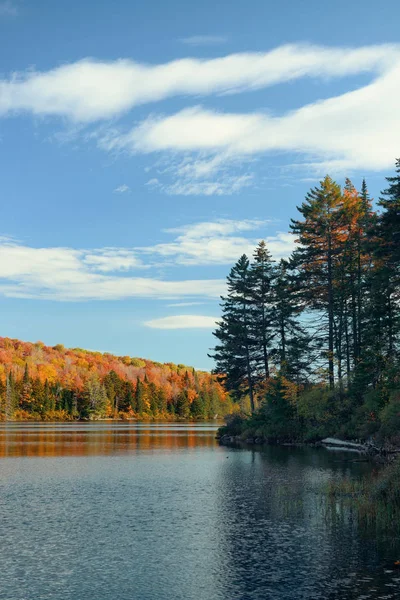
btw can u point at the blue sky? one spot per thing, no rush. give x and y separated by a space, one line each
145 146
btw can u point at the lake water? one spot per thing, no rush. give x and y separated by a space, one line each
139 511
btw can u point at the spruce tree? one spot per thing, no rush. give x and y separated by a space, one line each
140 397
292 351
11 399
262 313
319 239
234 355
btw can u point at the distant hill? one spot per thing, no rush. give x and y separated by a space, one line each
54 382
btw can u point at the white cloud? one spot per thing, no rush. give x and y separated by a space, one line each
206 243
111 259
183 322
175 304
204 40
70 274
122 189
217 243
208 150
333 130
225 186
63 273
89 90
8 9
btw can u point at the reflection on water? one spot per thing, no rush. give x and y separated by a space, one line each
159 511
63 439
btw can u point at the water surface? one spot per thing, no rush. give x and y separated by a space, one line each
159 511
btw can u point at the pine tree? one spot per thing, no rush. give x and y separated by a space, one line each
381 343
262 315
161 401
25 399
197 408
11 399
140 397
319 238
293 344
129 397
183 405
234 355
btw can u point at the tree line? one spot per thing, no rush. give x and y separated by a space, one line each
39 382
315 338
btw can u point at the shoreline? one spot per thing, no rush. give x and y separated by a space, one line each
384 454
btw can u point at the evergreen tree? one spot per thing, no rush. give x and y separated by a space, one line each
161 401
197 408
140 397
234 355
153 398
388 258
183 405
262 314
11 398
293 344
25 399
319 239
129 397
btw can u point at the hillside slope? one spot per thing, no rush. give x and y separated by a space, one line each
44 382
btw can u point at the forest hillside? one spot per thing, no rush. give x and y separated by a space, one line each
53 382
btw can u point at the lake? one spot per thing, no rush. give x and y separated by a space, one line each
147 511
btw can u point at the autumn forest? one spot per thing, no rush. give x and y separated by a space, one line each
54 383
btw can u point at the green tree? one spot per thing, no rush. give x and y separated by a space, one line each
183 405
96 395
319 239
234 355
140 395
11 396
262 313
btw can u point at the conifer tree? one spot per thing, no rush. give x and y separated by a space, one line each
292 343
140 397
234 355
25 399
319 239
262 313
11 399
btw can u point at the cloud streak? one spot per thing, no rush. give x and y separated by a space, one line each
122 189
183 322
217 243
69 274
206 151
333 130
90 90
73 275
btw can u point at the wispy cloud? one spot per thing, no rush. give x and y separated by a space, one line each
110 273
204 40
176 304
207 150
332 130
122 189
89 90
70 274
224 186
111 259
183 322
217 243
8 9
